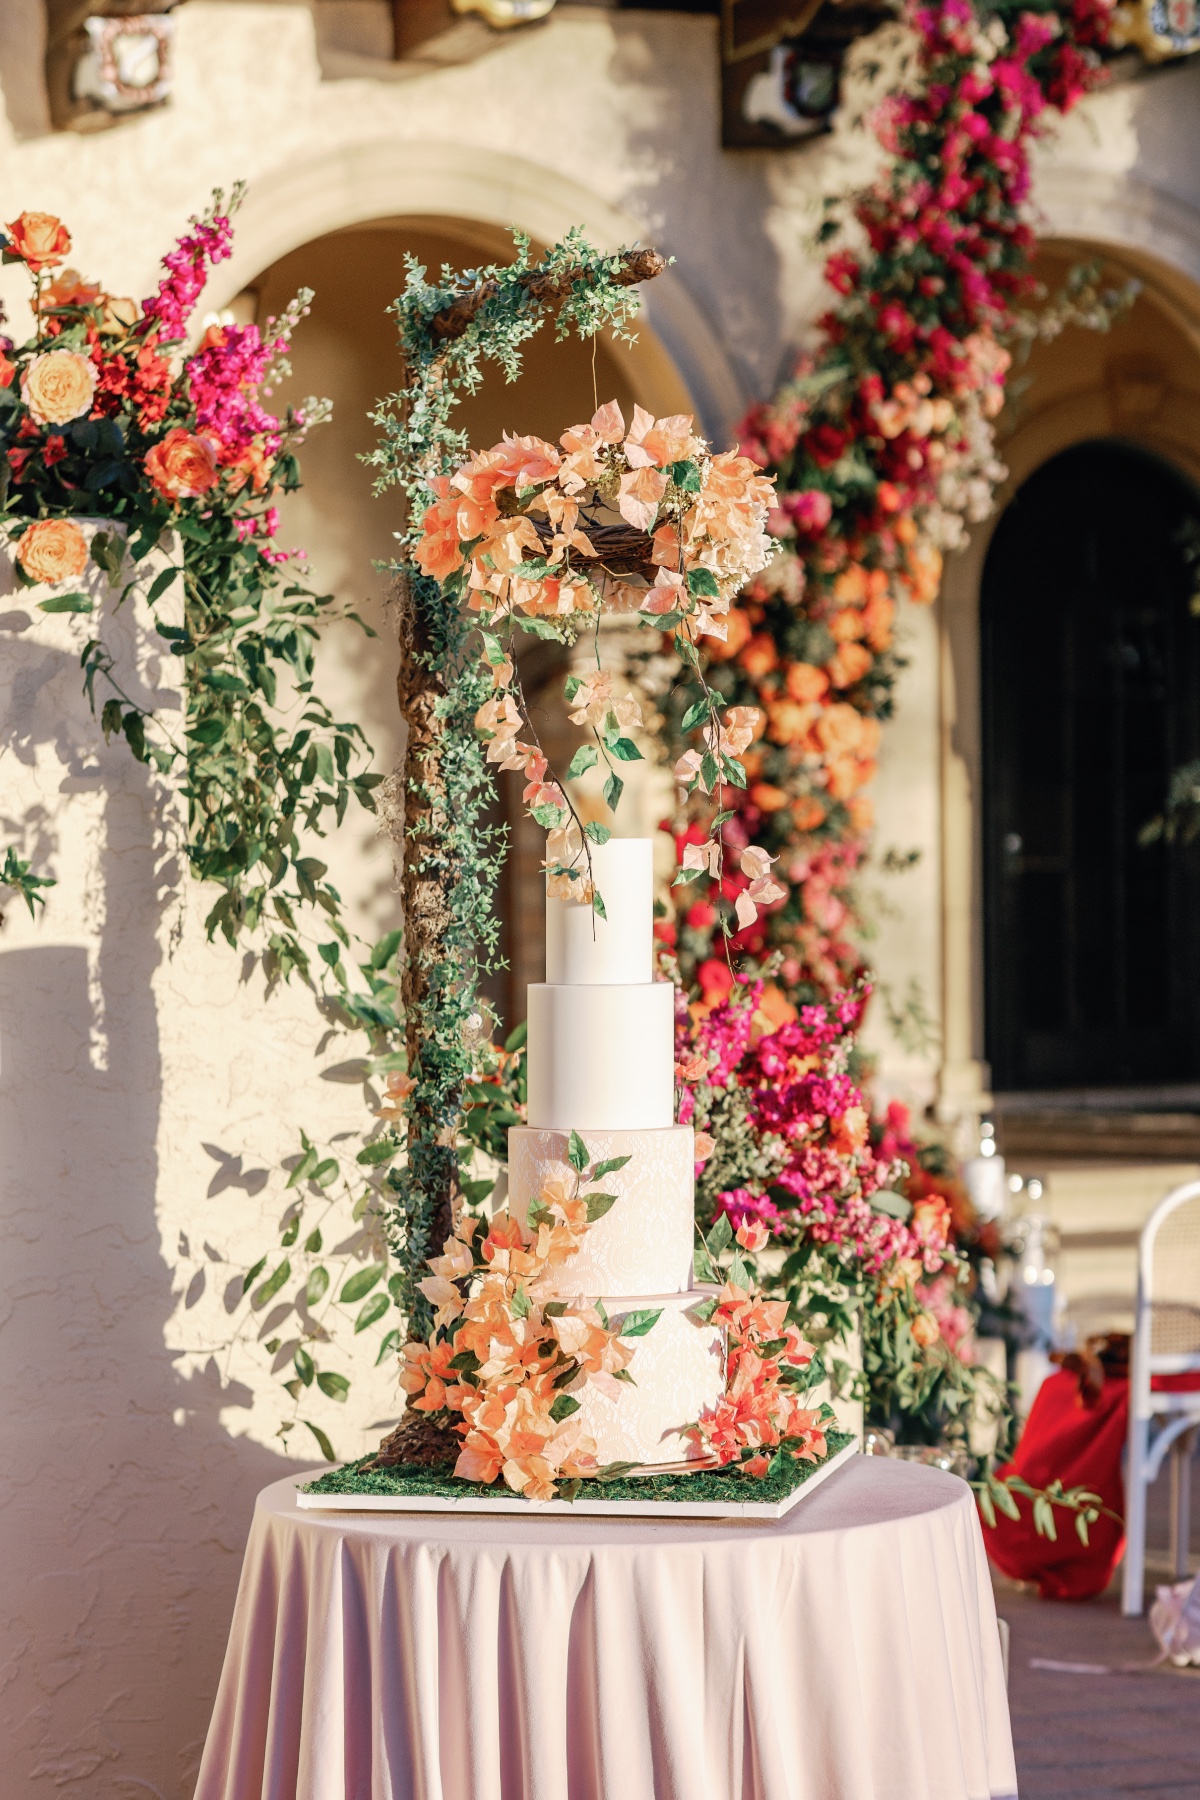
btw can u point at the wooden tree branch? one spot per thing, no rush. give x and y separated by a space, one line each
547 285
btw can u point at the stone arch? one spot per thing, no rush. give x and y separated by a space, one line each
678 359
1136 231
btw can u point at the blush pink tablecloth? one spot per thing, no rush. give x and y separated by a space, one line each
848 1652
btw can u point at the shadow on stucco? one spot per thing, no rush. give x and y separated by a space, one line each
126 1500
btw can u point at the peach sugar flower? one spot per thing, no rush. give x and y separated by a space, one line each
52 550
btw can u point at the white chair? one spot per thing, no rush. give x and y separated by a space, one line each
1166 1341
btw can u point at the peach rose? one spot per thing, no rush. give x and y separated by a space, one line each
877 622
788 722
846 774
119 315
53 550
67 289
58 385
737 635
767 797
850 588
182 466
846 624
862 813
39 239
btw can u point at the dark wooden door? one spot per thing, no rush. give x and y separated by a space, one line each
1091 696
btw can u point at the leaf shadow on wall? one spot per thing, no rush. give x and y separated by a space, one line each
128 1499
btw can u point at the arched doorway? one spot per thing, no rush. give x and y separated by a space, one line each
1091 697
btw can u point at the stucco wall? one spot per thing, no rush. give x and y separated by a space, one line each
129 1045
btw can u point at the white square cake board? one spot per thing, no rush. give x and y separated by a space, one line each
475 1502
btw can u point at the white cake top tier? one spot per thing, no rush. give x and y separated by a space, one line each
585 950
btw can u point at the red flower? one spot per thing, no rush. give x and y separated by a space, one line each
56 449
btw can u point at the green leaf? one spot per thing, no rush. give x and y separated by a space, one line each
271 1286
625 750
317 1285
326 1447
292 1233
598 906
740 1275
252 1275
703 581
520 1303
336 1387
374 1309
696 714
893 1205
306 1368
623 1375
547 816
637 1324
577 1153
330 953
160 584
598 1205
686 475
360 1284
564 1405
709 771
585 758
325 1171
735 774
313 1241
613 1471
703 1267
67 603
609 1167
596 833
614 787
720 1237
391 1342
381 1151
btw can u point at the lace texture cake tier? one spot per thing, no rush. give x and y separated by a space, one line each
644 1244
679 1372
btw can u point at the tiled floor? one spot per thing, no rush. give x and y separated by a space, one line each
1097 1737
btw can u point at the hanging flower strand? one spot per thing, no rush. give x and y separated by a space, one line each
642 521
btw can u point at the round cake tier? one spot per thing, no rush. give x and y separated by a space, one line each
679 1372
644 1244
602 1058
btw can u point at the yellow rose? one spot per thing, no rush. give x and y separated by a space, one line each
53 550
58 385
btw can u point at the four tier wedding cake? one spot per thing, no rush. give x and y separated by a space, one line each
601 1063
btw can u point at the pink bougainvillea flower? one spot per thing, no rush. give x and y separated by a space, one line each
641 491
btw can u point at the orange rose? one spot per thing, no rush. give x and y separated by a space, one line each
7 370
846 625
58 385
53 550
767 798
118 316
851 585
925 1330
807 812
924 573
39 239
67 289
849 1132
805 682
846 774
850 664
862 813
253 464
759 656
905 529
787 722
877 622
182 466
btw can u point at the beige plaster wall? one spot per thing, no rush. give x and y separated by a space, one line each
128 1044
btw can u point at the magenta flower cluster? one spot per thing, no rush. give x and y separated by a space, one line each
187 266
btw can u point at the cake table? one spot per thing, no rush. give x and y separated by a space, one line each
847 1652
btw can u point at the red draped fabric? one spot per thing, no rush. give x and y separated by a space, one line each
1081 1446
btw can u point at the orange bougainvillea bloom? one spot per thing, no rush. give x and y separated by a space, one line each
805 682
39 239
850 663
